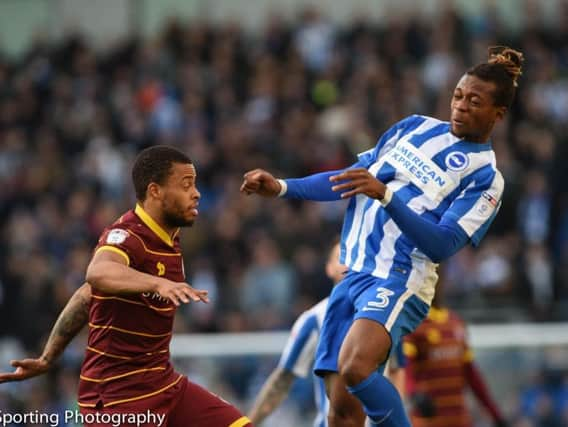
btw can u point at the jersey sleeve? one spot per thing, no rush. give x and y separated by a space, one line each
389 139
120 241
298 355
476 207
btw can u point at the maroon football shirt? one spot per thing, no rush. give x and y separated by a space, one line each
127 356
437 352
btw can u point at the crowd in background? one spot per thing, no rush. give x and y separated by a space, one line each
300 97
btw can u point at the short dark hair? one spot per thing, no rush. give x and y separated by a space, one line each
503 68
154 164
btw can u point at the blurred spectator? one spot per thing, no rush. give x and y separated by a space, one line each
315 39
267 284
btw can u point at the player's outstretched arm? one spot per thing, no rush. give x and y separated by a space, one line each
72 319
109 273
316 187
481 391
273 392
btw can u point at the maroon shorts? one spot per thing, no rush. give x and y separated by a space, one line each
184 405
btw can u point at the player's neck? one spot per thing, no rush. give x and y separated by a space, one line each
155 213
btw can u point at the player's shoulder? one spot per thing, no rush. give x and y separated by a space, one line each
498 179
455 319
421 118
120 230
313 316
497 184
490 175
319 308
418 124
125 221
457 326
315 309
415 121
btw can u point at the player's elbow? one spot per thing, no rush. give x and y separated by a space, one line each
441 254
96 275
448 243
436 254
84 292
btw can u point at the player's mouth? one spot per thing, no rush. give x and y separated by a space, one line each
457 122
193 211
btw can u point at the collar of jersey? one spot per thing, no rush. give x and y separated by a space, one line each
476 147
154 226
438 315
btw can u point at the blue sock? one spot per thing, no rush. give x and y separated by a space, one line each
381 401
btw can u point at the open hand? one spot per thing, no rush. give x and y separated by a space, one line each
178 292
261 182
26 368
358 181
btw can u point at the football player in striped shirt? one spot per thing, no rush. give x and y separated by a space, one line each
136 282
440 368
423 192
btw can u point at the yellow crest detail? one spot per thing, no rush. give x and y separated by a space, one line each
161 268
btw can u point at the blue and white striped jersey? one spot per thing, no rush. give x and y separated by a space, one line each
298 355
437 175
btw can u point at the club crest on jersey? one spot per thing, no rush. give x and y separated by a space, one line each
116 236
161 268
457 161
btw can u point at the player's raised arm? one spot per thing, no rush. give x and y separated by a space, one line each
109 272
72 319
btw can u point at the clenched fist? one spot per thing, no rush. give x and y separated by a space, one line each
261 182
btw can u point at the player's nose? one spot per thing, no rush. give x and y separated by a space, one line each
460 105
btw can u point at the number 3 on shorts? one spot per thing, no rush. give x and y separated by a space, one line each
383 295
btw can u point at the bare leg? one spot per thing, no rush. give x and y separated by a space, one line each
365 347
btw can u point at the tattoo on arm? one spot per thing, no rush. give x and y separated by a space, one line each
71 320
272 394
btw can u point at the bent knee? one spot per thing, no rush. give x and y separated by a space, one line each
354 370
354 366
356 362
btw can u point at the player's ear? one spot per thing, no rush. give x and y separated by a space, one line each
153 190
501 112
